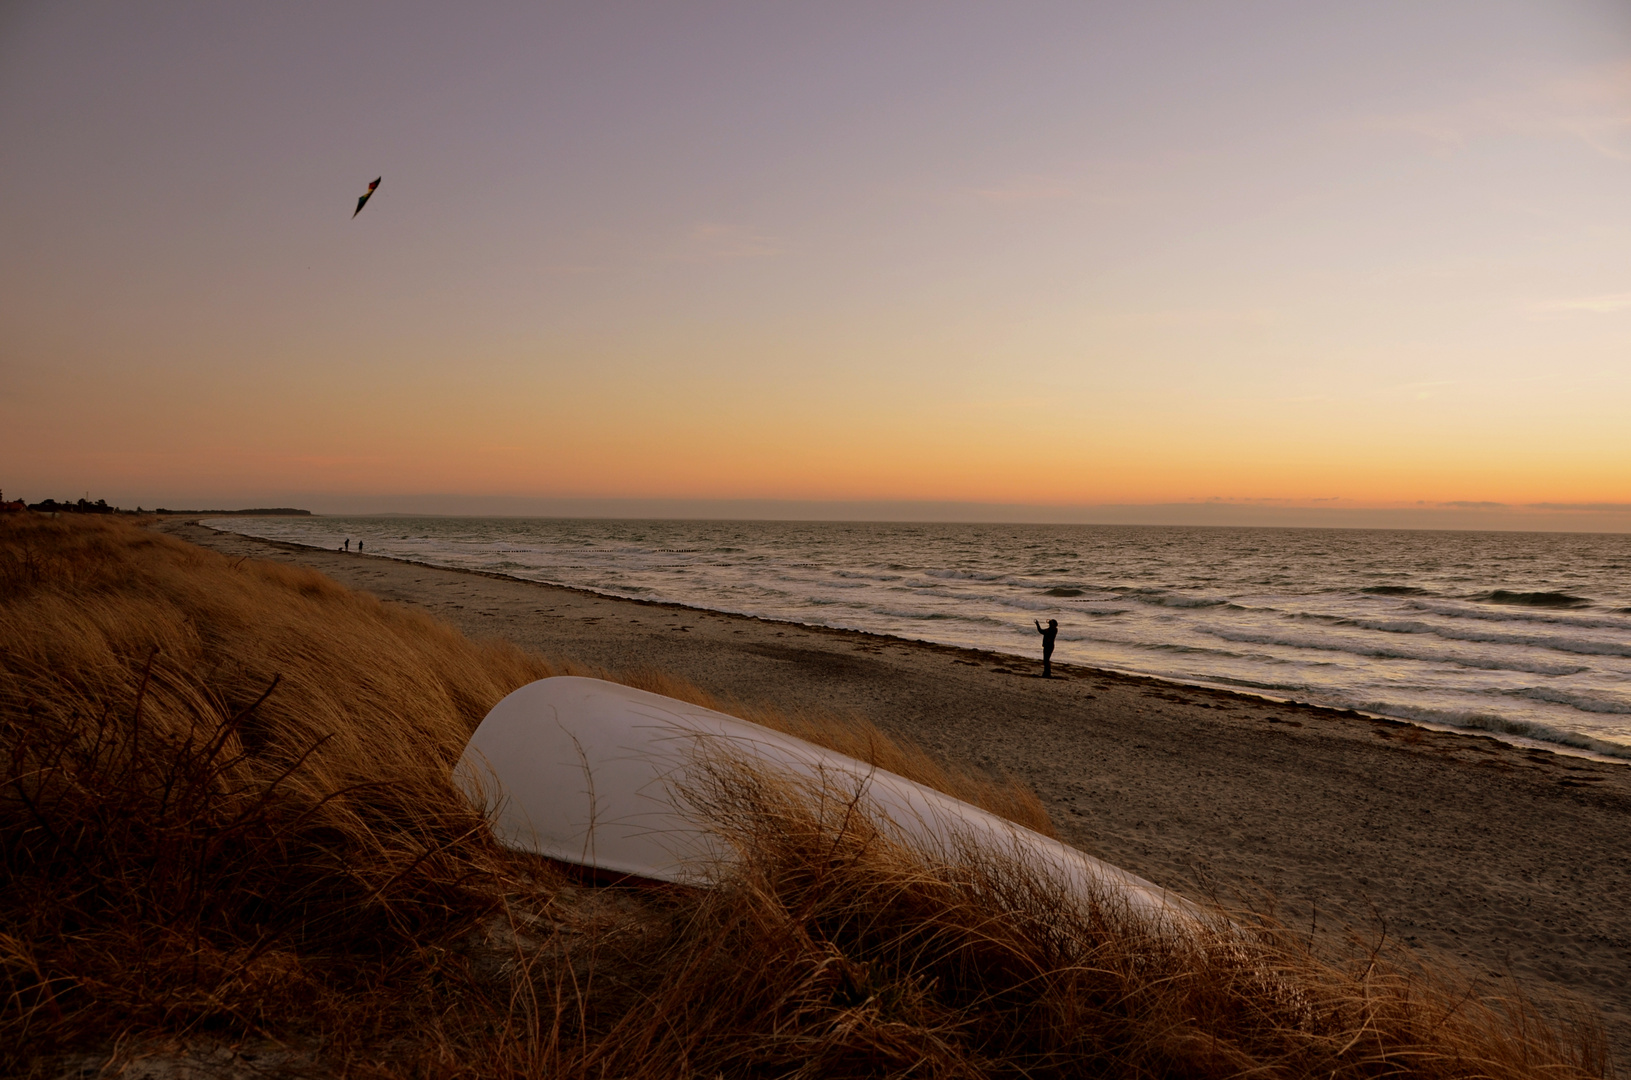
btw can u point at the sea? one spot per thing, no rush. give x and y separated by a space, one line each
1526 636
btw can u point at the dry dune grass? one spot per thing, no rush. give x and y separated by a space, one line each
837 953
226 817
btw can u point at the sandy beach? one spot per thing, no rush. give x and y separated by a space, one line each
1514 864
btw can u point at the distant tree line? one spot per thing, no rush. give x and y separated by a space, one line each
83 506
100 506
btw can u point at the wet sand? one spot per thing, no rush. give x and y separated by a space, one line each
1514 864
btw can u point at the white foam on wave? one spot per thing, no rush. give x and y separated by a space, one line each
1495 723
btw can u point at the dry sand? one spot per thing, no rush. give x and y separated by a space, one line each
1514 864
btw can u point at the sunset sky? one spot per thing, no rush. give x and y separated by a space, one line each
1280 257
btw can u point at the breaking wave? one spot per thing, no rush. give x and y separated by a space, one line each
1497 724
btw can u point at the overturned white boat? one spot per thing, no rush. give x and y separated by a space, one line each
601 776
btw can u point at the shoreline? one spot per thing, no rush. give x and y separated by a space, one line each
1511 864
1523 742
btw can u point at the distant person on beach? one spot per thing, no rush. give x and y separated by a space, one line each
1048 633
348 543
359 545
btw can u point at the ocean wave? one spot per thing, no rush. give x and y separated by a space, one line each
1302 691
809 581
1060 590
863 576
1395 590
833 601
1477 720
935 616
1161 598
1390 626
967 575
1592 703
1028 602
1046 583
1589 622
1312 616
1577 646
1534 599
1379 651
1556 643
1022 602
1193 650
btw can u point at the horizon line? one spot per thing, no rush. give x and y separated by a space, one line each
1579 517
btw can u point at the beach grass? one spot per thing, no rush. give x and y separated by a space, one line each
227 822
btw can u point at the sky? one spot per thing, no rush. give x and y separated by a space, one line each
1361 262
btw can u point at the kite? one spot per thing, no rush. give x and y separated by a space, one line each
365 195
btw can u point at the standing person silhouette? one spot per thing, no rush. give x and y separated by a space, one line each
1048 633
